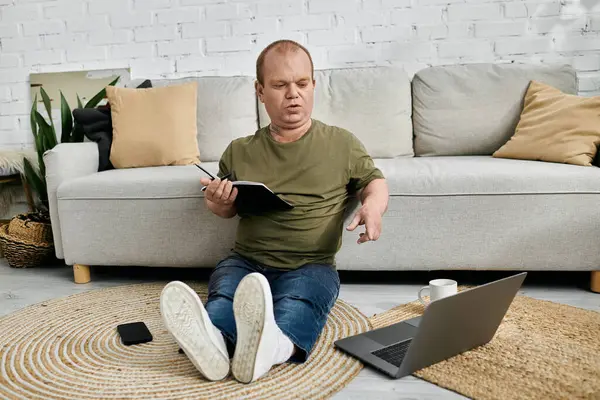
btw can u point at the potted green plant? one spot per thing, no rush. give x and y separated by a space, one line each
27 239
45 138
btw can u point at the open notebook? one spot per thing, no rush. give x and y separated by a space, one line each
255 197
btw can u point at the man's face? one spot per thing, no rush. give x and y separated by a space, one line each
288 89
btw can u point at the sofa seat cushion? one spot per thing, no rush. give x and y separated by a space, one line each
419 176
164 182
484 175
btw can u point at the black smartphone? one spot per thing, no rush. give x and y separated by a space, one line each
134 333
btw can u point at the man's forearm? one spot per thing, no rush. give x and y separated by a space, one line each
376 195
222 211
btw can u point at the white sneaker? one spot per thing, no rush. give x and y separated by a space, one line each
187 320
260 343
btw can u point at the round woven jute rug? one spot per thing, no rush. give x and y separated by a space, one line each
542 350
68 348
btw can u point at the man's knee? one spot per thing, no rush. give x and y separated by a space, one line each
227 275
308 304
315 285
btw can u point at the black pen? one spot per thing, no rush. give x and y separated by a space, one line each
212 177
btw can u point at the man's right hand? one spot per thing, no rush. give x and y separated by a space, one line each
219 192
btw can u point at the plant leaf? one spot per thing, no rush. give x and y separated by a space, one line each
38 138
47 132
37 182
39 146
114 82
100 95
44 146
79 103
34 127
47 104
66 118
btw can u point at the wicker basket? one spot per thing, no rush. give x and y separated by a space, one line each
24 253
23 227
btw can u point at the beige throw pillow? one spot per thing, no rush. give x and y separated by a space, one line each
154 126
555 127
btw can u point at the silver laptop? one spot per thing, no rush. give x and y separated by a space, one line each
448 327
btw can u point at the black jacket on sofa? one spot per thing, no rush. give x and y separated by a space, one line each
96 125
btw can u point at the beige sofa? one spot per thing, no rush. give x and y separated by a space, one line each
452 205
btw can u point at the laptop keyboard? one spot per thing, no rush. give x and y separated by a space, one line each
393 354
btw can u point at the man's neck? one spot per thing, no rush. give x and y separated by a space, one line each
286 135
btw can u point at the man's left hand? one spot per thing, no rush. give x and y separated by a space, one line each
371 219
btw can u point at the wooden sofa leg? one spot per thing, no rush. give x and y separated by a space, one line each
595 282
81 273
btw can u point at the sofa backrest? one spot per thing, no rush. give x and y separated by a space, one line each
474 109
373 103
226 111
468 109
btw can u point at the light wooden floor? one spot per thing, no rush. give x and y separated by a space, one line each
371 292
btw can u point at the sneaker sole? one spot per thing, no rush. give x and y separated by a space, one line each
189 327
250 305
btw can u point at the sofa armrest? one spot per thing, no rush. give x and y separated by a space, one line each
65 162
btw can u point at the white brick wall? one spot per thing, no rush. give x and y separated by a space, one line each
5 95
174 38
473 12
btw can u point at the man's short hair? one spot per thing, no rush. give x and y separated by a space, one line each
282 46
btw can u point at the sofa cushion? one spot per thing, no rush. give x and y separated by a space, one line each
154 126
555 127
373 103
418 176
484 175
226 111
138 183
474 109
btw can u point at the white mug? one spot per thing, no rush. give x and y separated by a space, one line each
439 288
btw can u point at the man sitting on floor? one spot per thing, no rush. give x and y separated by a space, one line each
269 301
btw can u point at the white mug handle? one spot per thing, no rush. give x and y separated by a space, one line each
421 291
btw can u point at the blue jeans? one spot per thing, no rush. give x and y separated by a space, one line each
302 299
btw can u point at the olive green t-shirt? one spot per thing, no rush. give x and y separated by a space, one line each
317 174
